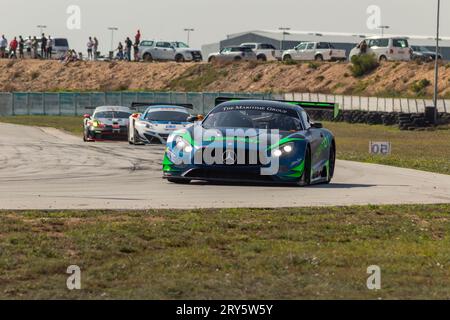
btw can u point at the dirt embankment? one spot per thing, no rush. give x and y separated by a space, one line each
390 79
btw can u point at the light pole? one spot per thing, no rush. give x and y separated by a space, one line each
41 27
112 37
189 30
436 64
285 32
382 29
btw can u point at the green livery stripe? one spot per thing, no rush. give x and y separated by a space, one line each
298 170
284 141
167 164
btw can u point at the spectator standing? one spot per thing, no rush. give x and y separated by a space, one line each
137 38
49 48
95 47
28 45
21 47
34 47
43 46
3 45
136 51
90 45
128 45
120 51
13 48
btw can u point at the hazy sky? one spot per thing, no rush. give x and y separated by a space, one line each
214 19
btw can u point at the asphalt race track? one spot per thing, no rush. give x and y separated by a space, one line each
44 168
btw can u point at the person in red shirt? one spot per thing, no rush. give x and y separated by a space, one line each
13 48
137 38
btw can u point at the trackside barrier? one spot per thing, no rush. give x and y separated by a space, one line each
73 103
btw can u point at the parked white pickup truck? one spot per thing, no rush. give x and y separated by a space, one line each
319 51
264 51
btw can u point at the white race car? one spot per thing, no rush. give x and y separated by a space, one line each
107 122
157 122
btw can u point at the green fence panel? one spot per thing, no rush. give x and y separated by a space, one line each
162 97
197 100
178 97
20 103
113 98
36 104
128 98
98 99
68 103
84 104
51 104
6 104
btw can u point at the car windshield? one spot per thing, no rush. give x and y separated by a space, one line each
256 117
112 115
169 116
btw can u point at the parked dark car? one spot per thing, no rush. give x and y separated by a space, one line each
423 54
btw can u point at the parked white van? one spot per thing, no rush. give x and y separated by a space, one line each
386 49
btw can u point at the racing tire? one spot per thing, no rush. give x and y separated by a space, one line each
332 163
179 58
305 180
147 57
319 57
262 58
178 181
287 57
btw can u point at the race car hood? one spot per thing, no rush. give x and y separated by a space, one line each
219 136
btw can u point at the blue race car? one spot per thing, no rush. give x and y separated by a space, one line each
254 141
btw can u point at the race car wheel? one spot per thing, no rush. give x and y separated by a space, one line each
319 57
332 163
305 180
135 139
179 181
147 57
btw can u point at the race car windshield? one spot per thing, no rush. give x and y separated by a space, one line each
170 116
112 115
256 119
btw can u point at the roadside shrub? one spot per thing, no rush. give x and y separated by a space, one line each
34 75
363 64
257 77
290 62
320 78
419 87
313 65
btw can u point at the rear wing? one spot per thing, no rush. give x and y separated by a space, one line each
136 105
307 105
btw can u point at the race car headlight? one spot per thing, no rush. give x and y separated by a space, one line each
283 150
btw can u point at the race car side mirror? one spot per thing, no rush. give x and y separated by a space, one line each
317 125
87 116
195 118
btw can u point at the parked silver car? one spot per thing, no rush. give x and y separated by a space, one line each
233 54
150 50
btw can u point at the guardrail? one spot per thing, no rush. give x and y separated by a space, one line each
68 103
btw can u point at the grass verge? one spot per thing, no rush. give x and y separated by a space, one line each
309 253
70 124
421 150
